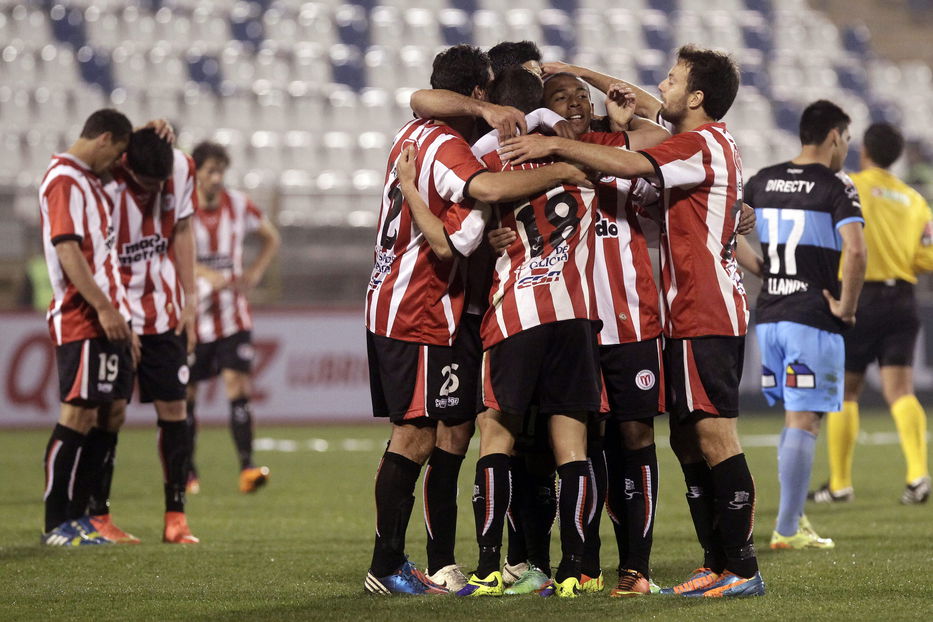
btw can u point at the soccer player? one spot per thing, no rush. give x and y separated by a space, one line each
699 171
222 219
507 54
153 193
808 216
415 300
88 314
899 236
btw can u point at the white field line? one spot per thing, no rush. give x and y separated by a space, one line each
321 445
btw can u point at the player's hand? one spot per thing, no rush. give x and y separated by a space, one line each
574 175
847 316
247 282
500 239
556 66
163 129
136 350
747 220
523 148
405 166
563 129
216 279
620 105
505 119
114 324
187 323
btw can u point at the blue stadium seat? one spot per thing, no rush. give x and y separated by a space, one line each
567 6
68 25
762 6
468 6
667 6
787 115
95 68
853 78
857 39
347 66
657 31
557 28
758 36
246 24
205 69
456 26
352 25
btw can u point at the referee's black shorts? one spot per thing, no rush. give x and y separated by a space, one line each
886 326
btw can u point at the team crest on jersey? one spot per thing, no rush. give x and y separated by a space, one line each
168 202
645 380
799 376
542 270
245 351
768 379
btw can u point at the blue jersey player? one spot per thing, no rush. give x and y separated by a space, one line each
808 215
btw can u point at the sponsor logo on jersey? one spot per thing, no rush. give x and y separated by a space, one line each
645 379
781 286
216 262
799 376
606 228
105 387
789 185
184 374
245 351
168 202
542 270
143 249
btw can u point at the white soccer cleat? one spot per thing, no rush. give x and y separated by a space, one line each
449 577
511 574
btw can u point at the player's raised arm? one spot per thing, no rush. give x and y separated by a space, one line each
430 225
510 185
441 104
79 273
608 160
646 104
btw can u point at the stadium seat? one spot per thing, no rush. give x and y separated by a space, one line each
316 24
653 66
272 107
15 110
300 150
656 30
344 111
352 25
273 65
306 106
374 149
421 26
557 29
18 65
204 69
246 25
386 28
522 24
10 151
378 107
488 28
416 63
238 109
166 69
265 151
456 26
209 28
52 107
347 66
311 64
281 27
857 39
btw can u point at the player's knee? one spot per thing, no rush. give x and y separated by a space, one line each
637 434
113 416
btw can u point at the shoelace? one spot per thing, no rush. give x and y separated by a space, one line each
628 580
693 584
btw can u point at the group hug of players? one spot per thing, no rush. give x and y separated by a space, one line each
144 248
513 292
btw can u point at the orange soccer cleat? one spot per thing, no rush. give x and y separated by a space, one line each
176 529
105 527
252 478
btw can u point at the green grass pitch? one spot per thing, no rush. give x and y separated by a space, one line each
299 549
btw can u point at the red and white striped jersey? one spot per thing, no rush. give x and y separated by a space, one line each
145 226
218 236
627 298
546 274
74 206
700 174
413 295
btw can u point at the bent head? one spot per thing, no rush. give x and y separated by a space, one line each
149 160
516 86
511 53
463 69
107 133
569 96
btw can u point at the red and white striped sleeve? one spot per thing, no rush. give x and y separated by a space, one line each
66 209
452 169
678 161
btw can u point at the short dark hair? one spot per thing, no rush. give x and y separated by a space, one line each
107 120
460 69
518 87
819 119
883 143
149 155
511 53
714 73
208 150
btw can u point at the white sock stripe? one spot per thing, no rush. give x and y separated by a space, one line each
50 469
424 504
592 477
649 505
490 496
74 471
578 512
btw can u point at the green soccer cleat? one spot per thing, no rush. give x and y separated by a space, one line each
490 586
592 584
511 574
568 588
531 581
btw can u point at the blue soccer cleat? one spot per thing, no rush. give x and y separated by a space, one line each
406 580
698 582
733 586
79 532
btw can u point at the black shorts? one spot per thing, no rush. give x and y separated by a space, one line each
234 352
163 367
408 381
554 366
633 377
886 327
94 371
703 375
